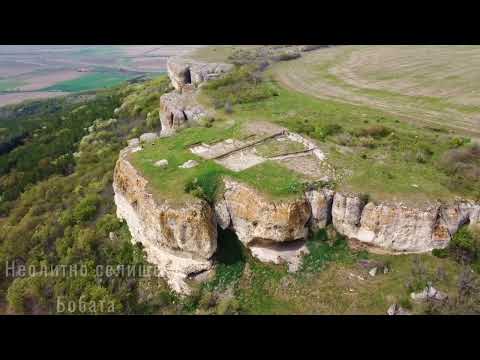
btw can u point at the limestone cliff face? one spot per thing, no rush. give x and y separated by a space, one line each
401 228
259 220
320 201
186 73
179 239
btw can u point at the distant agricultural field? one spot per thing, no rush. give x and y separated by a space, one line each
434 86
92 81
8 85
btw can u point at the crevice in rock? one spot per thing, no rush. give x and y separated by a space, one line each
185 117
188 76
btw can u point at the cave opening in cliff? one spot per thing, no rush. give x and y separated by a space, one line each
188 77
230 251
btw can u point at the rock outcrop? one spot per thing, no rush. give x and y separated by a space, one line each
320 201
178 110
258 220
187 74
274 231
400 228
179 239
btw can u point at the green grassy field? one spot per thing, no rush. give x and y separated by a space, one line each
9 85
91 81
426 85
384 165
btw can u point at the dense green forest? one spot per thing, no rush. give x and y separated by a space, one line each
57 212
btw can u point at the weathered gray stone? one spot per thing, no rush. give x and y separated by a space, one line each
395 309
189 164
161 163
133 142
148 137
321 204
222 214
428 293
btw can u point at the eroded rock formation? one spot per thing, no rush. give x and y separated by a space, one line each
397 227
187 74
179 238
259 220
179 108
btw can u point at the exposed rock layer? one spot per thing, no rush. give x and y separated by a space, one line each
259 220
186 73
180 239
401 228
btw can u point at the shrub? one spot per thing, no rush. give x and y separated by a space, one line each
86 209
458 142
241 86
304 128
344 139
440 253
375 131
204 186
465 245
153 120
405 303
107 224
463 166
330 129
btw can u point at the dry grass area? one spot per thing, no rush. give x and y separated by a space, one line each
435 86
